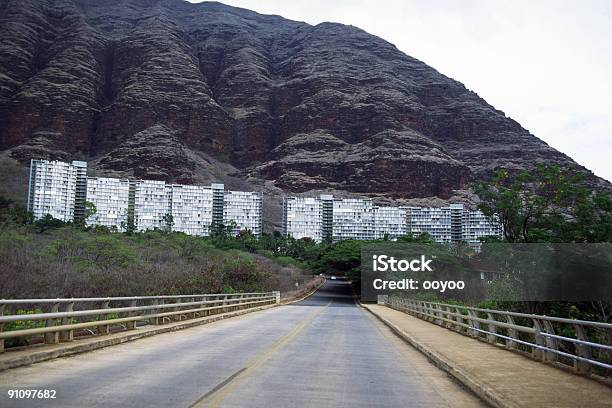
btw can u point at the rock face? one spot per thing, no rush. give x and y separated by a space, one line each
146 87
399 163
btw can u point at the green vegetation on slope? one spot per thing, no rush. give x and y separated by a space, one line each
54 259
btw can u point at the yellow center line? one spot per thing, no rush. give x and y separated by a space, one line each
212 400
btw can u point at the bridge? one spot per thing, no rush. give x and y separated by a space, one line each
323 350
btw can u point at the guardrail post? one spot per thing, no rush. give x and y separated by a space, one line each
180 301
473 324
420 311
215 303
204 305
225 304
67 335
52 337
276 296
442 315
177 310
205 312
219 300
438 313
193 314
155 320
582 350
550 342
459 318
131 325
197 314
423 309
447 316
492 329
511 333
428 312
2 328
219 303
539 340
103 329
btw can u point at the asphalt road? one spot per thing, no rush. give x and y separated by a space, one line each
322 352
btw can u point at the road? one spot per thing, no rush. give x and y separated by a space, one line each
322 352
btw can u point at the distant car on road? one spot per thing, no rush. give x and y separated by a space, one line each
332 277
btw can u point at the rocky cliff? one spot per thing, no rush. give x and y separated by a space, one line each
198 92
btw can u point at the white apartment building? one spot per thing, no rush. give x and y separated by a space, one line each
476 225
353 218
303 218
242 210
55 188
150 204
389 222
434 221
340 219
452 224
192 209
111 198
61 189
337 219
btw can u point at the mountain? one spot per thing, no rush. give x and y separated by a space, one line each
194 93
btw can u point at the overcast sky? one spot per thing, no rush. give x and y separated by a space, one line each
546 64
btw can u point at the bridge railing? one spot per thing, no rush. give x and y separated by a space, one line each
585 346
57 320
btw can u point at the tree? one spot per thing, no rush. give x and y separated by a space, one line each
168 220
13 213
549 204
247 240
340 258
89 210
422 238
48 222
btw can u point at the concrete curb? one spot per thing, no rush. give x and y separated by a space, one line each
68 349
483 391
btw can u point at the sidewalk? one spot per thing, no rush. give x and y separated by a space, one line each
500 377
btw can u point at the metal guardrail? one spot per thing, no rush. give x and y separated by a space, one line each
97 316
590 346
